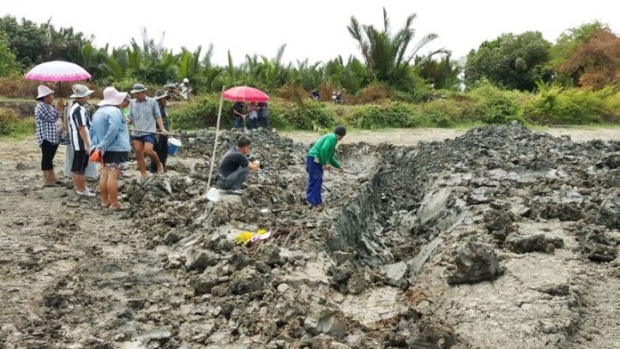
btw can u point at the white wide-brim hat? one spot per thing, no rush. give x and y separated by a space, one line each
111 96
81 91
43 91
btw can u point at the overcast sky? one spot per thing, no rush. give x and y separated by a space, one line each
314 29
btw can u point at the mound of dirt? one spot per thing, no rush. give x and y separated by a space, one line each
502 237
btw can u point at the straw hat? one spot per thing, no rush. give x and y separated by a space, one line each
112 97
44 91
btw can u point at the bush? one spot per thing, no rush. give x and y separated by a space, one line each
557 106
9 121
392 114
200 113
438 113
302 115
496 106
375 92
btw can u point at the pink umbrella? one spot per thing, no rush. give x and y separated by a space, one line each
57 71
245 94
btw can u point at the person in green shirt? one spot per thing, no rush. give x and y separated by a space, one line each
320 157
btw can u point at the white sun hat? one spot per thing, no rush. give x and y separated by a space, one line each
112 97
44 91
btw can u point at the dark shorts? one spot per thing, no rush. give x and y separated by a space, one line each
150 138
115 157
80 161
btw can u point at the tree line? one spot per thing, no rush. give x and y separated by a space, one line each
586 56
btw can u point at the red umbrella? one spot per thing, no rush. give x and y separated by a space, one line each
245 94
236 94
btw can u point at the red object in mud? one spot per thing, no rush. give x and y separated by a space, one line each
245 94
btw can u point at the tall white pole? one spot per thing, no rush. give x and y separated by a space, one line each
217 131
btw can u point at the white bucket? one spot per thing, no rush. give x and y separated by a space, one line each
173 145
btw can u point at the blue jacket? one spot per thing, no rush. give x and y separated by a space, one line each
108 130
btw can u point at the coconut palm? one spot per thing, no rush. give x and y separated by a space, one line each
388 56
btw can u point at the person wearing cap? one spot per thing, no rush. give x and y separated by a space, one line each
185 89
79 125
161 147
48 127
108 135
320 157
146 118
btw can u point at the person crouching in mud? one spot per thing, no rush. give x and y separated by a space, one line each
320 156
235 167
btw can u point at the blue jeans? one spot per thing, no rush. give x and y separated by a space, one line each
254 123
234 180
263 119
238 123
315 181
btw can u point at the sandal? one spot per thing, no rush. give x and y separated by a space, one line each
118 208
51 185
87 193
105 205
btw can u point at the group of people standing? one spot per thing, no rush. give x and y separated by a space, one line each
105 132
257 113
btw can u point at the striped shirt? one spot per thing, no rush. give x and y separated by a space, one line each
144 115
78 117
46 116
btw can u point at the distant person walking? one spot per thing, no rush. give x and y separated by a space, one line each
146 118
109 136
320 157
79 126
48 126
161 147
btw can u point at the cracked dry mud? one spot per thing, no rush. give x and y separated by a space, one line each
500 238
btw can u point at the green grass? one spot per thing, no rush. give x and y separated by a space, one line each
17 100
23 129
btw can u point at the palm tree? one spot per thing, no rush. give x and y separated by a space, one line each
388 56
443 74
351 75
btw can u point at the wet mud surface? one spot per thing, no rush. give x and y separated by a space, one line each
499 238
